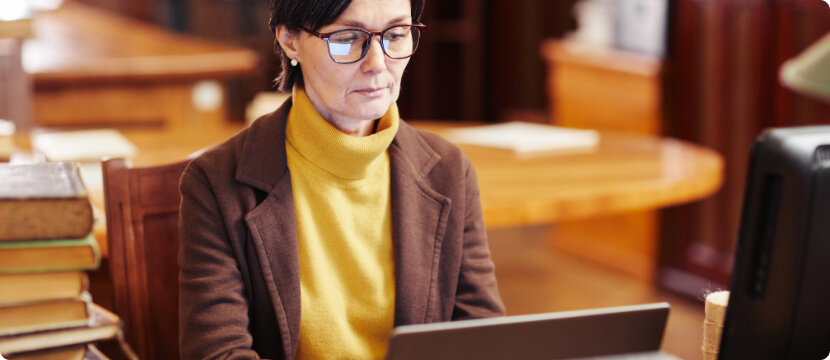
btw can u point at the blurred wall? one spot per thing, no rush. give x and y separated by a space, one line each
723 90
478 60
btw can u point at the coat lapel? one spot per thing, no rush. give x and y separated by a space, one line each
272 223
273 230
419 218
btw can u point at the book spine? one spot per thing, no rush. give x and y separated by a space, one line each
88 242
41 287
103 325
71 352
38 219
56 268
86 301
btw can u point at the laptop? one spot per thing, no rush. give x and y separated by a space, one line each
595 333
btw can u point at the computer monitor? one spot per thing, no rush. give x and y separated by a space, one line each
779 303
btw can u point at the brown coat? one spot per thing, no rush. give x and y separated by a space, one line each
239 284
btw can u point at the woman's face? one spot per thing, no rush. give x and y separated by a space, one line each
350 96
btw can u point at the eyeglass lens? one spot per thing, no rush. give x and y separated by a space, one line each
398 42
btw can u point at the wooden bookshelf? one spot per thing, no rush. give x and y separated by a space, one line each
445 79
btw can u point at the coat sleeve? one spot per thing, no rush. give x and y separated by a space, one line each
477 295
213 310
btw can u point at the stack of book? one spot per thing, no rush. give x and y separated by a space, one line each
46 249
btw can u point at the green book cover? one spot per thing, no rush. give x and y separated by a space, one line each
49 255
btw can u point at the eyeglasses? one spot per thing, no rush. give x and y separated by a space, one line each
351 45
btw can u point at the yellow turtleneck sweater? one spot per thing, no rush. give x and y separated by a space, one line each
341 188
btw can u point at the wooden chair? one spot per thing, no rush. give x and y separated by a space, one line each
142 210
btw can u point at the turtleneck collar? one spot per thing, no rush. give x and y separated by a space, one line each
330 149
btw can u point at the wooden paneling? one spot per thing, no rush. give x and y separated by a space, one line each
725 56
515 71
445 79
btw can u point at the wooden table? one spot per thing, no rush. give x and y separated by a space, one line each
91 66
625 174
602 202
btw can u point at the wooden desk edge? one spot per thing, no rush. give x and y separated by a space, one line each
191 57
672 188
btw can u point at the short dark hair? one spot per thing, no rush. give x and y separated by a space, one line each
312 14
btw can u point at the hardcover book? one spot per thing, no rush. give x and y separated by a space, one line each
101 325
33 287
49 255
83 145
43 201
39 316
524 138
73 352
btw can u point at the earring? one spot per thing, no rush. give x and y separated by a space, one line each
294 62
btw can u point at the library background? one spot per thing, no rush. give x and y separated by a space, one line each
481 61
713 83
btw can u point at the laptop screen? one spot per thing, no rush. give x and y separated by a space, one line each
558 335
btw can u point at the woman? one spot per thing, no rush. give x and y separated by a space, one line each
314 232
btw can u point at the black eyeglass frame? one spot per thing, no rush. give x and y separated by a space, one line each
365 50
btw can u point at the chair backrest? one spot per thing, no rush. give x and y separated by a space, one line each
142 210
